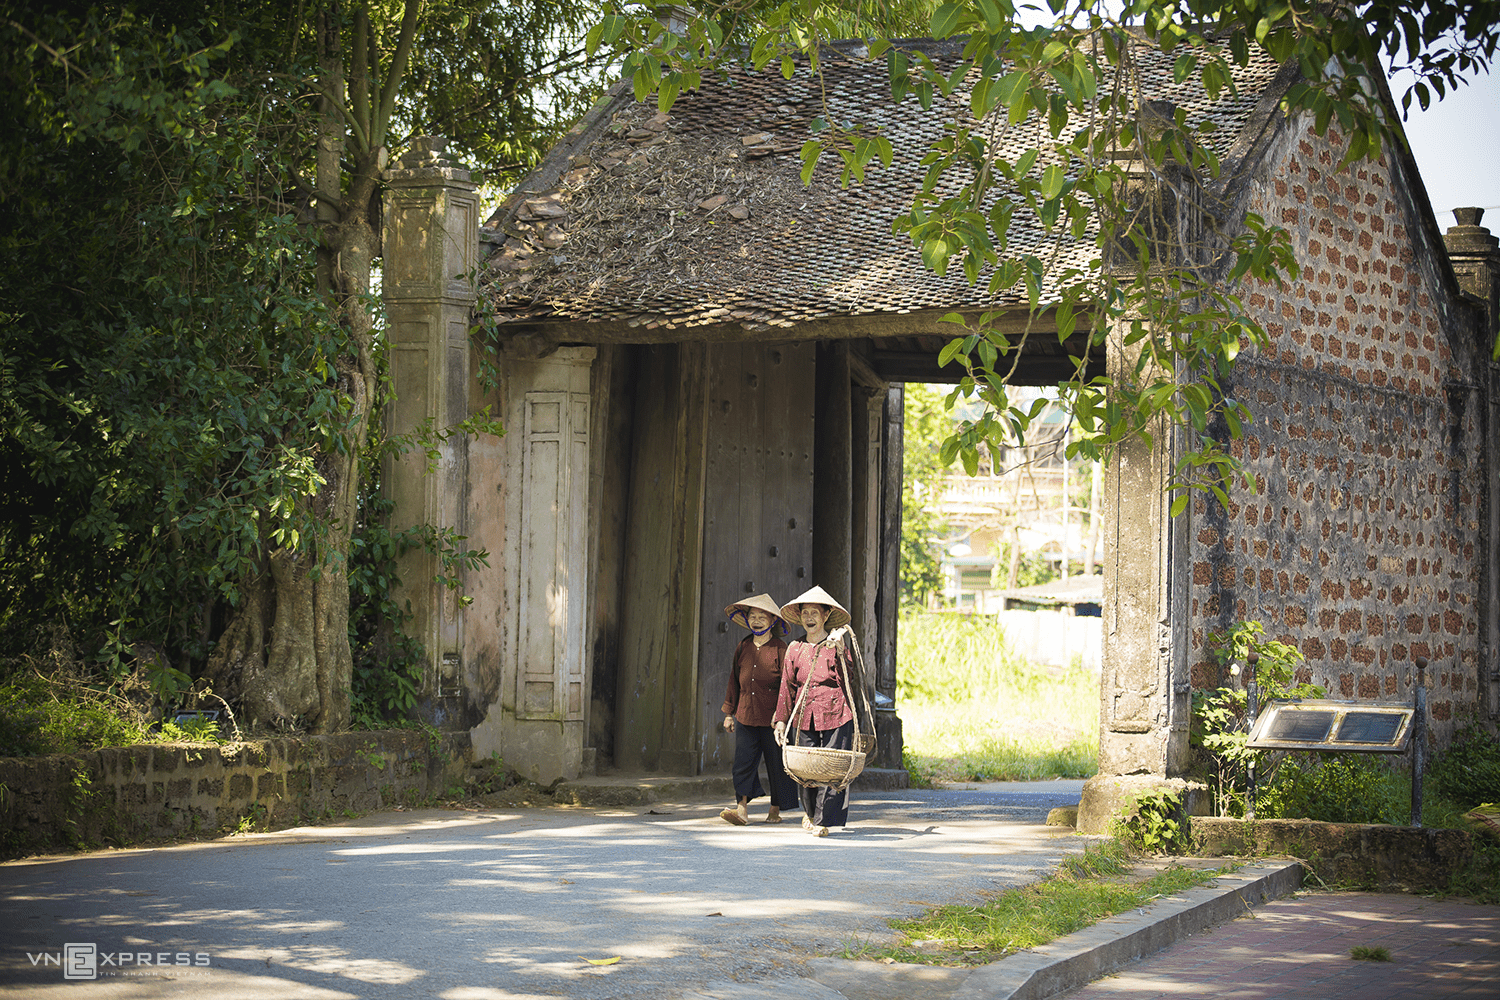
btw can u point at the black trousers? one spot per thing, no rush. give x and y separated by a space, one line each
751 743
823 805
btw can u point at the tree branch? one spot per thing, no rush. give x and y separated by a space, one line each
381 122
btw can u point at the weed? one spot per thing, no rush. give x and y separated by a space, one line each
193 730
1480 878
1367 953
1338 788
1081 892
373 757
1155 823
254 817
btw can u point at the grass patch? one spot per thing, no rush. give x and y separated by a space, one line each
1084 890
971 710
1365 953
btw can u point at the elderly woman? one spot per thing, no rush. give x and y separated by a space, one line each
754 684
820 662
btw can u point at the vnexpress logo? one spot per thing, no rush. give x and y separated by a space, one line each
84 960
81 961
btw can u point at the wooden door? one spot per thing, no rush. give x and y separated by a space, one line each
758 502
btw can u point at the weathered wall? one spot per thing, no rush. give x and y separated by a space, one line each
1362 545
1367 856
117 796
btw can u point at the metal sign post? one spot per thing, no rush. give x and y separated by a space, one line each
1418 740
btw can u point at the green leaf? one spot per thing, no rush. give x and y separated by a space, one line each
994 18
950 350
947 20
1053 179
935 254
667 95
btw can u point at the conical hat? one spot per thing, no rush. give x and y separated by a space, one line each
739 612
792 610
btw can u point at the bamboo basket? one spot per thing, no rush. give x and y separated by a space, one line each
818 766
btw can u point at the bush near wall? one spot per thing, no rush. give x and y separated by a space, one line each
119 796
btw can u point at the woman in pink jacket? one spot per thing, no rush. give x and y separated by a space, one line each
821 662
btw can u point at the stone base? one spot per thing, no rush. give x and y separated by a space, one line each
1358 855
888 740
1105 796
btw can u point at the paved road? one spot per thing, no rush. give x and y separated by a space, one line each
510 903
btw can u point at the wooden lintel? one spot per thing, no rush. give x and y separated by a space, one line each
926 323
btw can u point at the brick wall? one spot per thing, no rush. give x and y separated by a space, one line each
122 795
1362 545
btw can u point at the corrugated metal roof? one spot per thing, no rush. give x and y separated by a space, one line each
1073 590
699 217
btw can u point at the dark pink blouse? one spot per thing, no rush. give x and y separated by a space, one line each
826 706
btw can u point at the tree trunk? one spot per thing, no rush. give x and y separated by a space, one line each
307 671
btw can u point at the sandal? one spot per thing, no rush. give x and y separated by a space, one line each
807 824
773 819
732 816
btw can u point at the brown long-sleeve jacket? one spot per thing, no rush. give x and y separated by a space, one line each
754 681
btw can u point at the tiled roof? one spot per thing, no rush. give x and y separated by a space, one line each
699 217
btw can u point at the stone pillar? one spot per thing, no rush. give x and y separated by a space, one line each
888 735
1475 254
539 724
430 250
1144 691
868 429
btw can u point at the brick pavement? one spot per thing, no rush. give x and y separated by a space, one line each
1298 949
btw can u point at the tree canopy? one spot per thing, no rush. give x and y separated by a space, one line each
190 357
1070 71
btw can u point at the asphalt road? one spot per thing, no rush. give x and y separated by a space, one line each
513 903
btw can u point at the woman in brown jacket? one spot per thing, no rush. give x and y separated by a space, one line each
749 701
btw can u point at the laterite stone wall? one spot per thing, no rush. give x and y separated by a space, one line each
1362 545
119 796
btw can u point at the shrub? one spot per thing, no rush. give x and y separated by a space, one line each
1336 788
38 718
1157 823
1219 724
1468 772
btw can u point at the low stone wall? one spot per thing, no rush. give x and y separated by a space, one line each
1359 855
120 796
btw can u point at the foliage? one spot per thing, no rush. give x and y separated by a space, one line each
1156 823
192 730
1084 889
180 354
1171 301
1468 772
1032 567
950 657
1220 726
1362 952
166 378
40 716
923 429
1480 881
1337 788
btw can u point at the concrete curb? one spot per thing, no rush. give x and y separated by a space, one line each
1080 957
